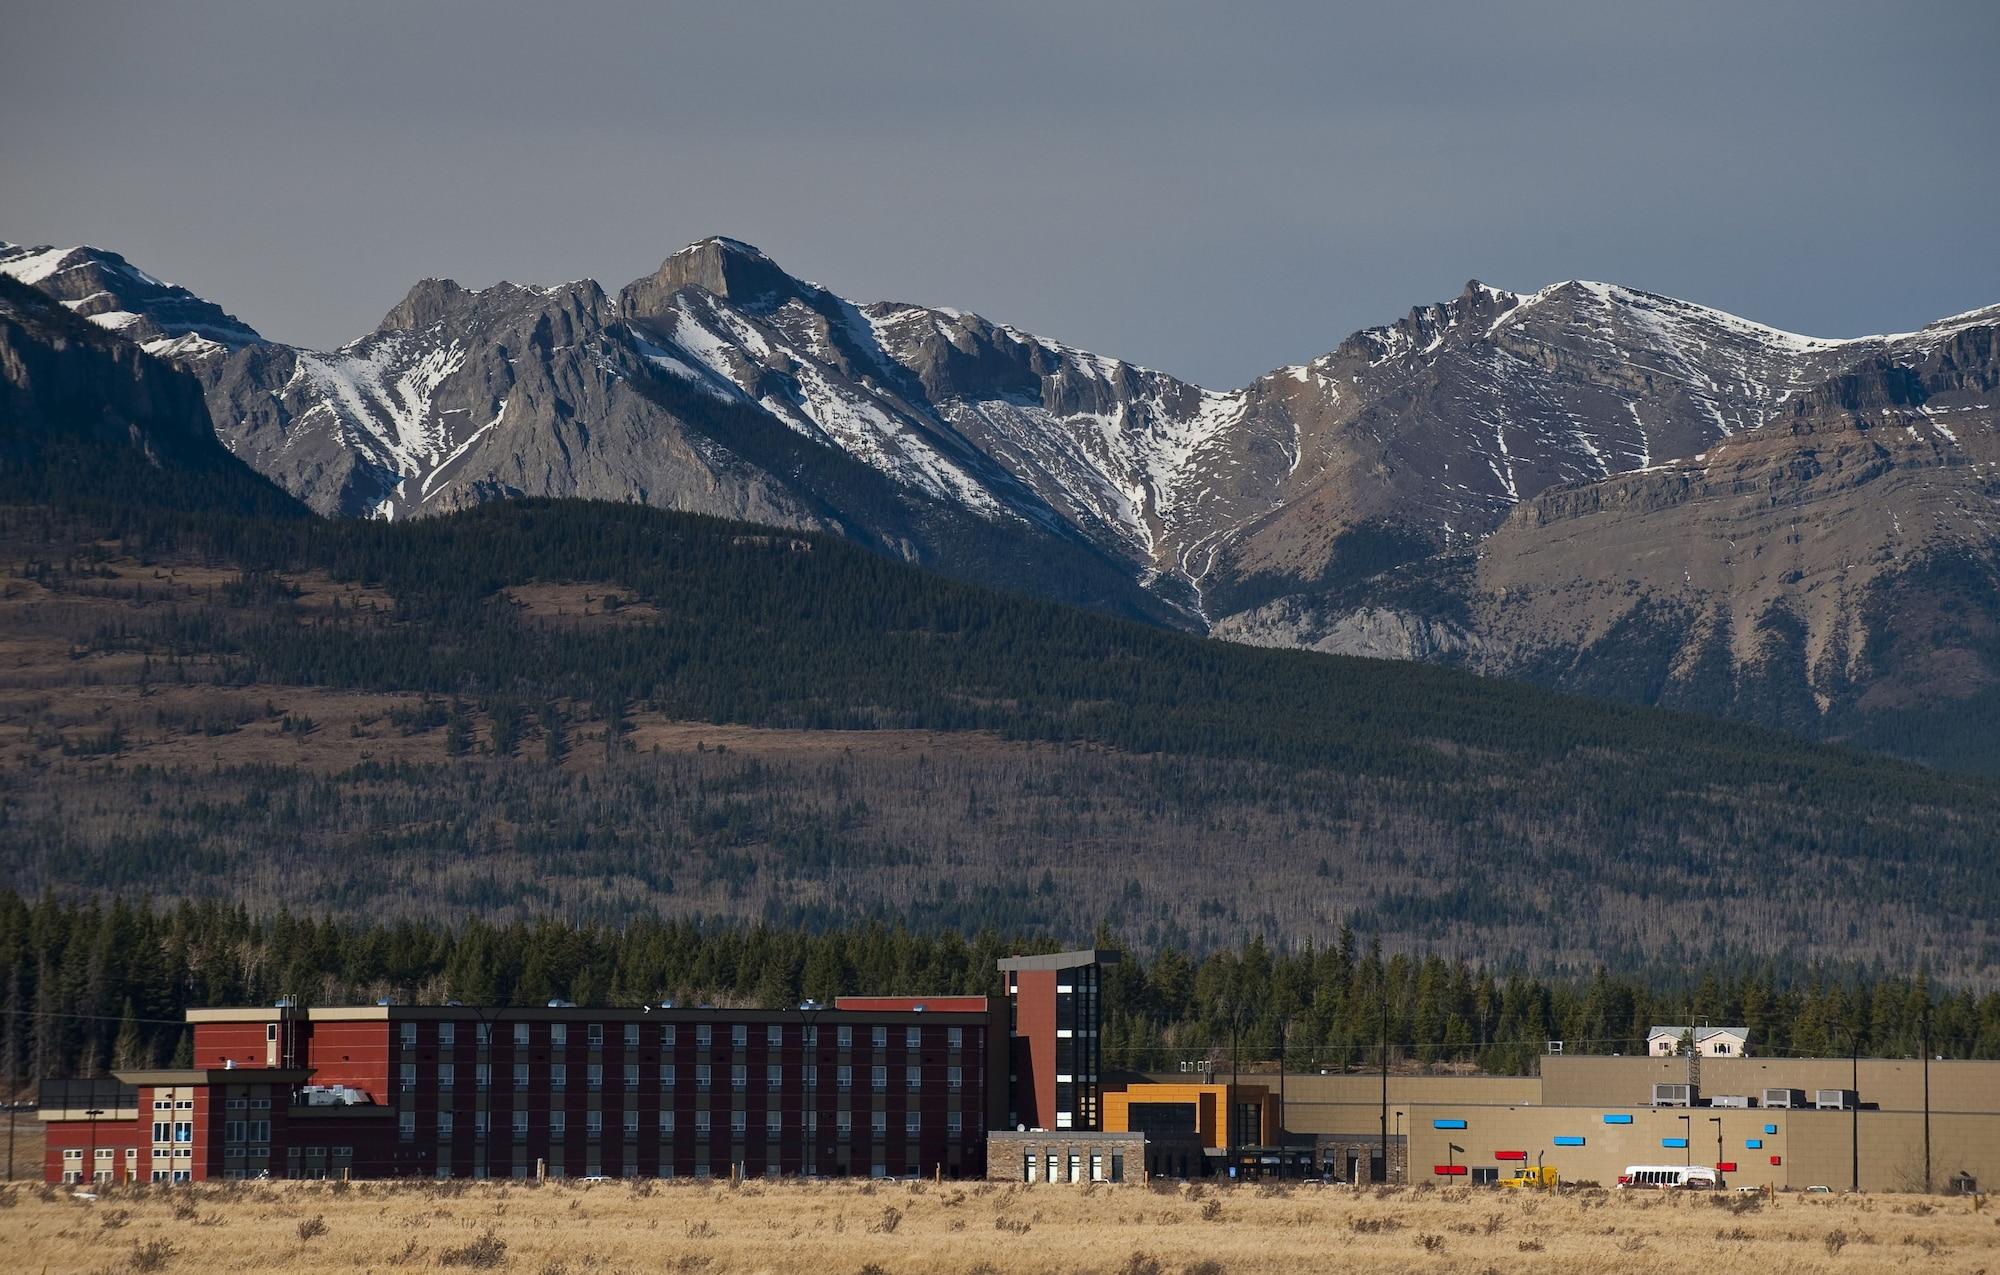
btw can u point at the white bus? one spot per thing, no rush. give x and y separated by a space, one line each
1697 1177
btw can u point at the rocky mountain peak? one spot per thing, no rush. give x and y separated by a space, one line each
162 318
428 302
728 268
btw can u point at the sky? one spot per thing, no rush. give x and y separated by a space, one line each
1213 190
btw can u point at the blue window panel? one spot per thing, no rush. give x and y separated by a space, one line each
1447 1124
1673 1142
1770 1128
1569 1142
1753 1144
1618 1120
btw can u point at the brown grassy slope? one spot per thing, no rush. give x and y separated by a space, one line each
130 770
903 1229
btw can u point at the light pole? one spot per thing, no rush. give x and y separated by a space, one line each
1854 1136
1717 1122
1385 1075
1687 1137
1400 1144
1927 1094
809 1012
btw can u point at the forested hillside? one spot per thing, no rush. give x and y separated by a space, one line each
97 986
599 711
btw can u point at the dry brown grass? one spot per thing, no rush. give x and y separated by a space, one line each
905 1228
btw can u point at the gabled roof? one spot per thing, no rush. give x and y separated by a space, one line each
1700 1033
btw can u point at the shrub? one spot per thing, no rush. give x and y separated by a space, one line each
1835 1241
1141 1264
1211 1210
1431 1243
483 1254
152 1256
312 1228
892 1217
1206 1266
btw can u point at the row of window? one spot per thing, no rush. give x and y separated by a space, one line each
739 1076
739 1035
774 1124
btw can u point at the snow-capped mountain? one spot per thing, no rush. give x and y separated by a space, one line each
164 319
1277 512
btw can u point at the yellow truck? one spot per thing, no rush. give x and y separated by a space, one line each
1540 1178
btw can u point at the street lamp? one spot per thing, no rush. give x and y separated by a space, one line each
1405 1149
1717 1122
1687 1137
809 1012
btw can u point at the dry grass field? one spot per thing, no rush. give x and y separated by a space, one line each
906 1228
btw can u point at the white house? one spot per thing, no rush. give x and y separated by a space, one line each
1713 1042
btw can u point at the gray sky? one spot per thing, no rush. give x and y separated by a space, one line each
1213 190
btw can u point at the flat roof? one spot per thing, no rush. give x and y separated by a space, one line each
944 1007
1063 960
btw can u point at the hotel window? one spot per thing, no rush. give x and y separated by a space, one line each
666 1122
913 1077
595 1036
812 1122
668 1035
558 1075
667 1076
878 1123
811 1076
913 1124
447 1075
843 1123
631 1035
520 1035
878 1079
445 1124
774 1124
593 1123
631 1125
406 1127
594 1076
163 1130
739 1123
774 1078
703 1034
811 1037
701 1123
447 1035
913 1038
237 1104
843 1036
558 1035
482 1076
482 1034
260 1131
954 1124
954 1077
774 1036
520 1126
234 1130
406 1077
879 1037
558 1124
520 1076
409 1035
479 1123
843 1077
955 1037
184 1131
739 1036
701 1076
631 1077
739 1077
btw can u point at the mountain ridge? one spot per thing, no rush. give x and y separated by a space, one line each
1325 503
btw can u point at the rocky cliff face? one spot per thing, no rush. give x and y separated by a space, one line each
87 415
